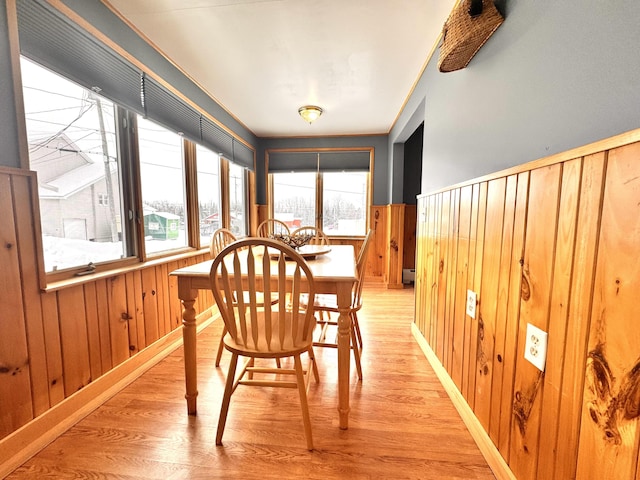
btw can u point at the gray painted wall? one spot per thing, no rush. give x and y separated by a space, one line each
556 75
9 156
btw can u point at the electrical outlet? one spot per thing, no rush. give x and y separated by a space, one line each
472 300
535 346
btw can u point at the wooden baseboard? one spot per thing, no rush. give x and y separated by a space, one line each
491 454
19 446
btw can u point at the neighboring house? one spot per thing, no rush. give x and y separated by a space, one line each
74 198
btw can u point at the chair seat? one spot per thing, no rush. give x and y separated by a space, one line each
275 349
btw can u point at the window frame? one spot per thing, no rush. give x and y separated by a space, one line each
319 183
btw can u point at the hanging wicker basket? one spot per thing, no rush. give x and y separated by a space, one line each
469 26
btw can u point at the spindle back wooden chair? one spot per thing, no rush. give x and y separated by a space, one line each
318 237
326 305
272 226
255 268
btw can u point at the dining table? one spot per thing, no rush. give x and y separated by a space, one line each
334 272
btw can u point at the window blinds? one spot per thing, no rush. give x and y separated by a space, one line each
52 40
330 161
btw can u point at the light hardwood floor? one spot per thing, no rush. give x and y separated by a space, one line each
402 424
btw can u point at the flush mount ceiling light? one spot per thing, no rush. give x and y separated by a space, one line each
310 113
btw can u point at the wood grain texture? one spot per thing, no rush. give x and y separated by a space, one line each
537 278
559 314
511 352
402 424
460 318
498 414
15 385
488 307
575 348
28 261
559 251
611 405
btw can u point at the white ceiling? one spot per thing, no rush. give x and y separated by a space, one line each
263 59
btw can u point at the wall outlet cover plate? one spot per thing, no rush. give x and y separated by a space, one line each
472 301
535 347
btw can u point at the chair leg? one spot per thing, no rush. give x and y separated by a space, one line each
302 390
221 346
356 352
356 325
226 398
314 364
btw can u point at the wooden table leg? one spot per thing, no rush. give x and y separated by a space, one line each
344 352
188 297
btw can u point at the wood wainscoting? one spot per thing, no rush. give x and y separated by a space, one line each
57 342
554 243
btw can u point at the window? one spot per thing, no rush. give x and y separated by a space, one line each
344 203
328 189
294 198
113 173
237 200
163 187
71 134
209 211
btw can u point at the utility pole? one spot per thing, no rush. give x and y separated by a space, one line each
107 171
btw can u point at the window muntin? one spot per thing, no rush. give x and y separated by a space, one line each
344 203
162 179
237 200
294 198
71 134
208 177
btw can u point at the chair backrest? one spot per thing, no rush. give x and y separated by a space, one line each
272 226
361 267
255 268
220 239
318 237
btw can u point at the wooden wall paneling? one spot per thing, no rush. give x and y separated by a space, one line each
73 336
131 318
497 414
609 435
150 306
476 286
162 276
175 306
452 261
93 330
419 269
118 319
422 267
460 297
15 386
511 353
409 236
53 347
488 304
580 301
138 296
395 247
104 324
537 277
162 326
30 286
435 272
467 368
378 257
443 267
558 315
